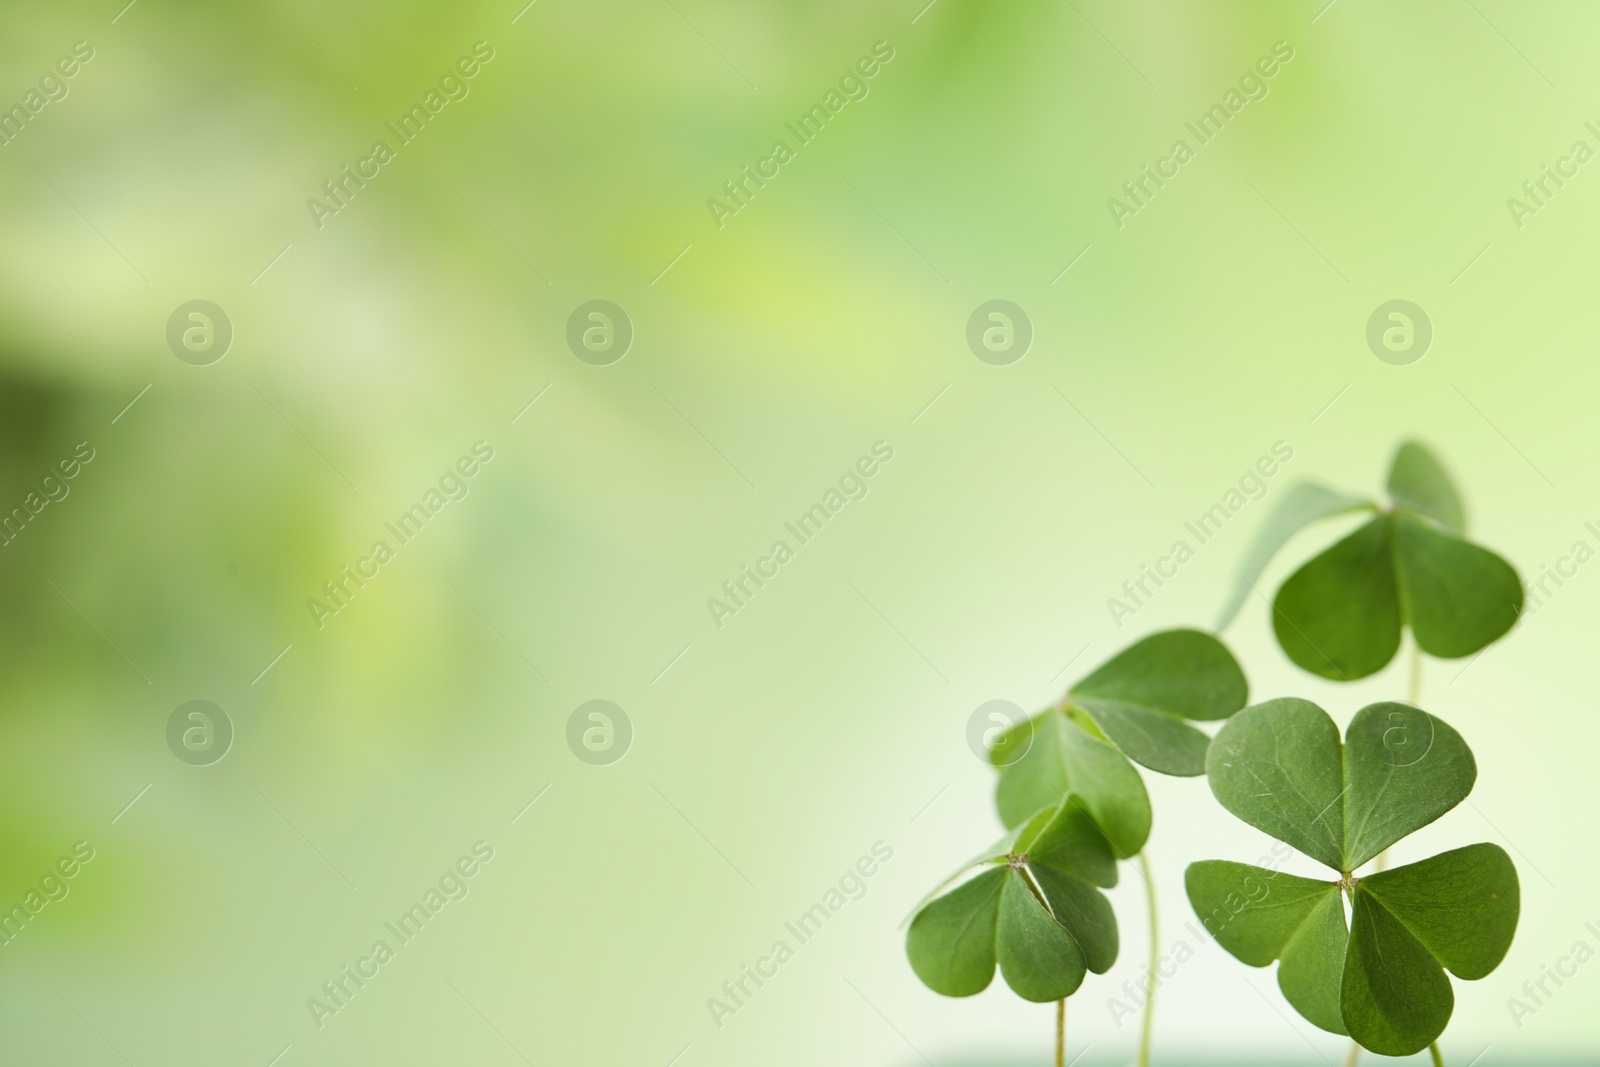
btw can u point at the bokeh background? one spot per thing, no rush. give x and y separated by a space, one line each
830 713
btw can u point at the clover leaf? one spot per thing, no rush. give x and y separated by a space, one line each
1280 767
1137 705
1036 912
1340 615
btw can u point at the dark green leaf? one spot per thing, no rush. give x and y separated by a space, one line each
1418 482
1461 905
1458 597
1183 673
1140 696
1339 615
1301 505
1394 996
1151 738
1403 769
1279 767
951 941
1064 759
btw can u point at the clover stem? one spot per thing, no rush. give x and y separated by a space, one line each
1155 957
1353 1056
1433 1050
1061 1032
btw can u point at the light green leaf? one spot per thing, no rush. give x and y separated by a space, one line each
951 941
1403 768
1301 505
1279 767
1418 482
1259 916
1068 841
1251 911
1394 997
1313 962
1038 916
1038 957
1339 615
1084 911
1064 759
1461 905
1458 597
995 853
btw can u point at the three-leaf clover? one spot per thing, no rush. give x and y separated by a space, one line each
1280 767
1035 911
1135 706
1341 614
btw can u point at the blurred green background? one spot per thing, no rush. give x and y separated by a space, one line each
769 354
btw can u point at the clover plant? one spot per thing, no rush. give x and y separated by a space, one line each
1035 910
1136 706
1340 615
1280 767
1364 956
1075 805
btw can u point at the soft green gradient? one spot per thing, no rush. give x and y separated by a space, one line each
822 718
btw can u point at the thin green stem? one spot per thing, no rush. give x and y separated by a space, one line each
1433 1050
1061 1032
1416 674
1155 956
1353 1056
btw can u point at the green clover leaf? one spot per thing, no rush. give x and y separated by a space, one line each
1340 615
1280 767
1036 912
1137 705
